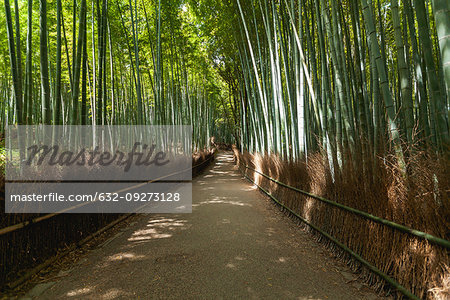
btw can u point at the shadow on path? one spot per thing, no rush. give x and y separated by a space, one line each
233 245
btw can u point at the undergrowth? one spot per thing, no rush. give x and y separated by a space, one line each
27 247
419 200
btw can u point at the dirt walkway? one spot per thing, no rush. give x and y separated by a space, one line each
234 245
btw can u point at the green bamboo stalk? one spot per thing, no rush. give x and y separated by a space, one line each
77 64
84 79
58 99
438 102
45 79
19 58
136 54
13 63
441 10
67 51
28 68
405 78
256 73
421 97
384 83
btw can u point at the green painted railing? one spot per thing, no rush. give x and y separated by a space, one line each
436 240
431 238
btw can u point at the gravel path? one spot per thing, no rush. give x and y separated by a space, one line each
234 245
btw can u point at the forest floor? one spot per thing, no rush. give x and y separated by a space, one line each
234 245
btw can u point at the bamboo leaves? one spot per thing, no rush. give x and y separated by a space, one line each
354 78
289 77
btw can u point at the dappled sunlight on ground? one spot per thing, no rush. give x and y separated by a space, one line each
79 292
155 228
231 244
270 231
281 260
222 200
235 264
207 188
225 202
166 223
151 236
219 172
113 294
235 175
125 256
228 179
230 266
158 229
90 292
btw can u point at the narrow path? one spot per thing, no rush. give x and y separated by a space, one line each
234 245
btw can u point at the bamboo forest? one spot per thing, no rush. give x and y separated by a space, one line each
320 147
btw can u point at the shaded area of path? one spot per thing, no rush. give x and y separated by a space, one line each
235 244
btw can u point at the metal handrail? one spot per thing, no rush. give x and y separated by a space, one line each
26 223
371 267
436 240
